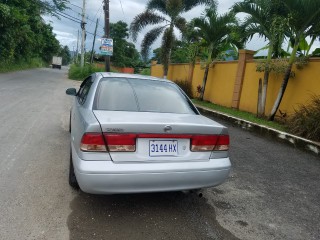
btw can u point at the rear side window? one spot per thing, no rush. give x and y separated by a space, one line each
140 95
84 90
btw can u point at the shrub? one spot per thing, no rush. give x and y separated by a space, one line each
78 73
146 71
185 86
305 122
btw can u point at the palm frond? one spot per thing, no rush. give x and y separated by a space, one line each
148 17
217 31
174 8
149 39
304 13
189 4
256 13
181 24
159 5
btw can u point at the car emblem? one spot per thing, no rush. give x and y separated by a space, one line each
167 128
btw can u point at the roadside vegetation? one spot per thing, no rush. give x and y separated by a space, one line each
146 72
305 122
241 114
22 65
80 73
26 41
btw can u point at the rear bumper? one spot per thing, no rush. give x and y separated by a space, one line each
107 177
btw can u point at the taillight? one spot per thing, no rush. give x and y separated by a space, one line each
223 143
92 142
203 143
121 142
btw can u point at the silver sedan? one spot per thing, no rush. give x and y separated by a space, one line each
133 134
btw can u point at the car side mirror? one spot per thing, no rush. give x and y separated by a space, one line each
71 91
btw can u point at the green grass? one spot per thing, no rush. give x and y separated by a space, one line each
22 65
78 73
240 114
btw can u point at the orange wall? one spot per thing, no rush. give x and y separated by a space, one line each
221 80
220 83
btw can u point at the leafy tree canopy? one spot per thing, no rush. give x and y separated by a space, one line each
24 34
125 53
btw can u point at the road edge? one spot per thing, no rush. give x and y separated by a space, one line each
295 141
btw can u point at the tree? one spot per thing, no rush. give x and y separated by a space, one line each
165 12
216 34
24 33
303 21
125 53
265 19
65 54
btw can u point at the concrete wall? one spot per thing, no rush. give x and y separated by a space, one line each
238 81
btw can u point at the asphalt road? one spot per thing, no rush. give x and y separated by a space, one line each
273 191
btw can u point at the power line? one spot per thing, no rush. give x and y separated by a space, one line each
93 34
74 11
71 16
75 5
67 17
123 11
99 9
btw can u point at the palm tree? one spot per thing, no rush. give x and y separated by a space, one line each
168 14
215 31
303 20
265 19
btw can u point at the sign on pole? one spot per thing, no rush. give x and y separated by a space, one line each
106 46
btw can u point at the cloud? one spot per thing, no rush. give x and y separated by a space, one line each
67 30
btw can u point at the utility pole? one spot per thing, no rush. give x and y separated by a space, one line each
107 30
94 39
83 27
76 59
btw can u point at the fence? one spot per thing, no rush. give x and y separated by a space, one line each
235 83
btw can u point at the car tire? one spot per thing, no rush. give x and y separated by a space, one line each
72 177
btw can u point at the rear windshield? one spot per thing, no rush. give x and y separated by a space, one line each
140 95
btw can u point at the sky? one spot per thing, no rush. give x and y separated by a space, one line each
66 30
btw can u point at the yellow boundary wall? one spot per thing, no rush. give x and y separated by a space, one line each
221 82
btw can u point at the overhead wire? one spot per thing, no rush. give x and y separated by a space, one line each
123 11
72 19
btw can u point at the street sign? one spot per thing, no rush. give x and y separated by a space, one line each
106 46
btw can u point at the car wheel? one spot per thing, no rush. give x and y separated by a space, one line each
72 177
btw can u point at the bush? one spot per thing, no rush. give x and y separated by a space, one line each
146 71
78 73
185 86
305 121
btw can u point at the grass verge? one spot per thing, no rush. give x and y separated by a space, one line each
240 114
22 65
78 73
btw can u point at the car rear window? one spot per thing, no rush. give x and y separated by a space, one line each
141 95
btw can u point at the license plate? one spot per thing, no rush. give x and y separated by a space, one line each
163 148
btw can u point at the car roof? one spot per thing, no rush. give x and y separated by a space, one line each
134 76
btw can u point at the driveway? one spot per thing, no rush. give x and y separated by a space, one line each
273 191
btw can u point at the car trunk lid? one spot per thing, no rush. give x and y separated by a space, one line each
155 137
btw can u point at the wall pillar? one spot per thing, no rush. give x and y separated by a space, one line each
153 63
244 56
